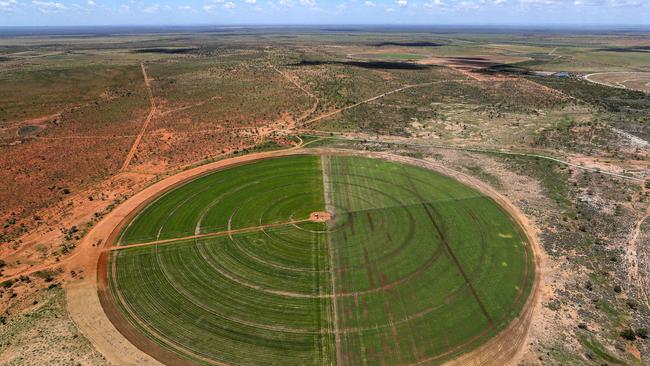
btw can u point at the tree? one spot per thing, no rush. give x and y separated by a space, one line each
628 334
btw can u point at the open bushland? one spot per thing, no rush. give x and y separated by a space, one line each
557 123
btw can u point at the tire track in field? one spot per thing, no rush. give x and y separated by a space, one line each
387 288
427 208
209 235
257 258
347 194
149 329
179 205
506 346
214 202
242 282
329 207
196 302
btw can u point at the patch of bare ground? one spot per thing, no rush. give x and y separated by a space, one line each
640 166
635 256
38 173
13 131
469 66
51 242
38 331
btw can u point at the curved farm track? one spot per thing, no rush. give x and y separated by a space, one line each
90 303
631 80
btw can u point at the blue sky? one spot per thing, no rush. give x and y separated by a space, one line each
217 12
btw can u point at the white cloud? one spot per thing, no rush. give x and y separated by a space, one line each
151 9
310 3
185 8
90 2
539 2
212 5
435 4
626 3
370 3
470 5
250 1
286 3
9 5
342 6
402 3
229 5
48 6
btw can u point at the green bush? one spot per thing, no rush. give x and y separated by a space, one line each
628 334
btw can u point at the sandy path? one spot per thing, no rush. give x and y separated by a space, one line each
293 81
473 77
152 112
632 256
487 149
87 312
179 109
405 87
617 84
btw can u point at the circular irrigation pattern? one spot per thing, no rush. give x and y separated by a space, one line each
318 259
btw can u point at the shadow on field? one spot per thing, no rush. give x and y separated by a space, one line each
643 49
504 70
171 51
408 44
366 65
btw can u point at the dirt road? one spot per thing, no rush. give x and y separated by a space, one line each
147 120
405 87
314 106
632 256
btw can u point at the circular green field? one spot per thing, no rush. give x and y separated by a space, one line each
412 267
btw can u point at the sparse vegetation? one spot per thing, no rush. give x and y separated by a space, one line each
71 107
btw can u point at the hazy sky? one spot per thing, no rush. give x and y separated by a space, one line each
215 12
